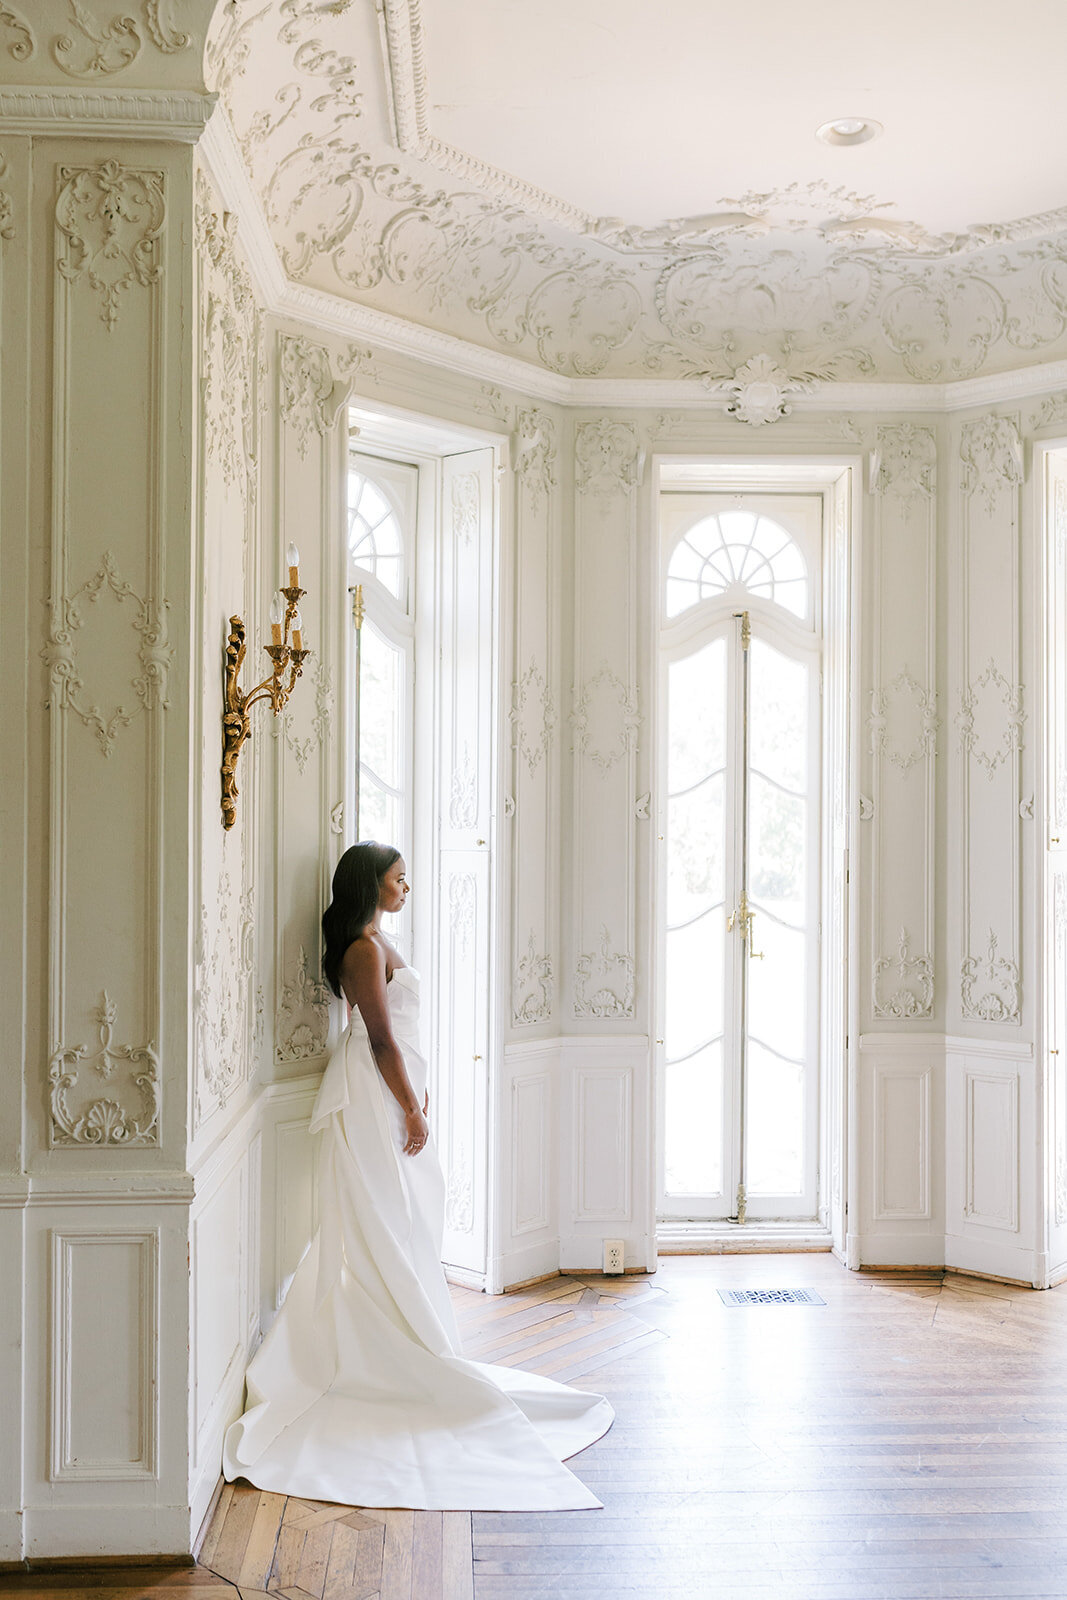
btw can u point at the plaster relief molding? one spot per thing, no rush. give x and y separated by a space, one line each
605 700
230 339
989 986
910 979
605 457
899 692
102 49
463 800
1053 409
531 987
992 455
7 214
104 1119
225 961
462 903
904 461
175 115
285 726
491 403
459 1197
23 45
535 453
533 716
303 1024
466 507
981 701
759 392
310 398
604 982
155 654
111 218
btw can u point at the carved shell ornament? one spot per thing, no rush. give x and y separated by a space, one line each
760 391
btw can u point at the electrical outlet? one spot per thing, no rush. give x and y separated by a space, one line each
614 1253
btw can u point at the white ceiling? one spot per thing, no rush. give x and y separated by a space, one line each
643 111
459 163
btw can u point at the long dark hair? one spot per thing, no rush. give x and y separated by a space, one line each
356 887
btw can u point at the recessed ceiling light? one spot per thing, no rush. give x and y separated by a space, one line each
849 130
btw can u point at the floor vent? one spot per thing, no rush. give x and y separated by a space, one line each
770 1297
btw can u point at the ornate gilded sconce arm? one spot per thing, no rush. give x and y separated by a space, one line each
287 659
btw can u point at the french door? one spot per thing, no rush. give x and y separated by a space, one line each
739 948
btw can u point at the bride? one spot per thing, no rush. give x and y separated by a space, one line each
358 1392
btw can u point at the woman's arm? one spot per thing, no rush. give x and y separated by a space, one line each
363 980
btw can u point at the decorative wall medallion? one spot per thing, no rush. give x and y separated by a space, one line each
904 984
103 1120
303 1025
642 806
533 716
605 718
535 453
110 218
866 808
759 392
23 45
992 455
531 987
989 986
463 800
605 457
490 402
310 398
337 819
990 704
604 982
459 1198
154 654
462 900
904 461
895 698
466 501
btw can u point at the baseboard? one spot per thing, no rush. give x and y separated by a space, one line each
102 1533
753 1238
524 1264
205 1520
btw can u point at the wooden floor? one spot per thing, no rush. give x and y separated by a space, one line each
905 1441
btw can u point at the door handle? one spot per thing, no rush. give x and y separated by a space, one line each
742 920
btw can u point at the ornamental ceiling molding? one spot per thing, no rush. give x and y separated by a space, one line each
330 312
179 116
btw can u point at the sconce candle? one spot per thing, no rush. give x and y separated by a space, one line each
236 723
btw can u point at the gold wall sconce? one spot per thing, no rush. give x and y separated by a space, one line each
285 625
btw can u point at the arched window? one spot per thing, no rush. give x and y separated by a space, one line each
375 541
739 550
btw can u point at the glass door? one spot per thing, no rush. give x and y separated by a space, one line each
740 839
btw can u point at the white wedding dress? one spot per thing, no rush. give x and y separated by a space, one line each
358 1392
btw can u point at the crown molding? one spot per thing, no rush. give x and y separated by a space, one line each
347 319
179 117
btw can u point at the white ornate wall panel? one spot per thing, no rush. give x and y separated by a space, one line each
534 720
105 1394
465 719
605 724
605 1151
1053 816
902 724
529 1175
231 356
306 737
990 726
990 1193
108 653
901 1135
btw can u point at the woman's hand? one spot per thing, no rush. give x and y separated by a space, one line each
418 1131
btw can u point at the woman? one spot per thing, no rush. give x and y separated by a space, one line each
358 1393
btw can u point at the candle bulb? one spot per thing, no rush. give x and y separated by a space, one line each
292 556
276 616
298 629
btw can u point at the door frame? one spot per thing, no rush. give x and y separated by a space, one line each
839 478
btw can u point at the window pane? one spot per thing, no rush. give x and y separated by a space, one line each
775 1162
375 542
381 704
737 547
693 1131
